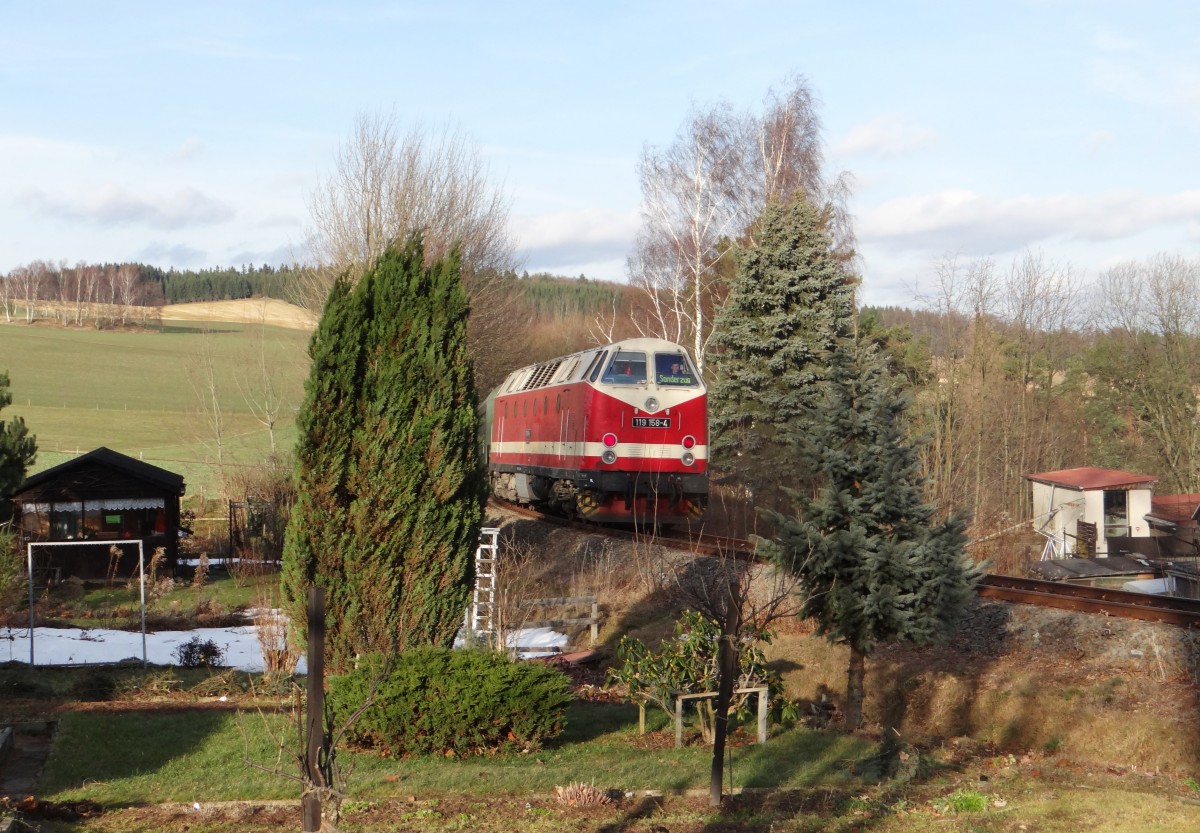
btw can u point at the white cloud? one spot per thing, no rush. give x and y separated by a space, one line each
962 220
190 149
564 238
112 205
177 255
887 136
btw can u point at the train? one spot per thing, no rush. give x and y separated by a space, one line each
612 434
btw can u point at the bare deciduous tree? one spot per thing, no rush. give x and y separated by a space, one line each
702 194
203 374
689 207
260 380
384 186
31 285
1147 358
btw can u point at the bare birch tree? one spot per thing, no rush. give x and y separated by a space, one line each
701 195
6 294
688 210
31 284
127 284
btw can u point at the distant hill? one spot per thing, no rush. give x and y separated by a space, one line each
244 311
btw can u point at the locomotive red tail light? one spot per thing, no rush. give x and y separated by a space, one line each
609 440
689 441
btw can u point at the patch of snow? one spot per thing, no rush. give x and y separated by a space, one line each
1153 586
77 646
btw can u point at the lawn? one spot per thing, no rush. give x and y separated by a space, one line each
146 393
160 769
202 755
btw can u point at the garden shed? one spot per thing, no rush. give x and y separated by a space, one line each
101 496
1091 511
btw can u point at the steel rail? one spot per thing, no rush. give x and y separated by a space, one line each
1084 599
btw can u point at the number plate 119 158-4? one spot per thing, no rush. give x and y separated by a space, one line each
651 422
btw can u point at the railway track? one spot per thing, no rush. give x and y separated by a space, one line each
1079 598
1121 604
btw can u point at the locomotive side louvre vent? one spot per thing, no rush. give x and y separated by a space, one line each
541 375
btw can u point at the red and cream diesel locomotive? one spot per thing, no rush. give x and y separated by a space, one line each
611 434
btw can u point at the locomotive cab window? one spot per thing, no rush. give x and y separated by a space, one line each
673 369
628 367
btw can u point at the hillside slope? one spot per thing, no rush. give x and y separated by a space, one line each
243 311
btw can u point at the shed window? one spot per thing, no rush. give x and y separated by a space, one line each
1116 513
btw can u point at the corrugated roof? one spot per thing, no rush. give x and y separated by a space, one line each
1087 478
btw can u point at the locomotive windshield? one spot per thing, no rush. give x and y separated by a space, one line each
673 369
627 367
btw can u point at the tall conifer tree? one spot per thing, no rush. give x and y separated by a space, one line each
18 451
792 299
874 565
390 480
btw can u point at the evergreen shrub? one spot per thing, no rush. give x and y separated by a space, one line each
434 700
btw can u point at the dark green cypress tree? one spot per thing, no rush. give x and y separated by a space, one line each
402 474
874 565
791 300
318 528
18 449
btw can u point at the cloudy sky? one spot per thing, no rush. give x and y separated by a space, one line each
188 135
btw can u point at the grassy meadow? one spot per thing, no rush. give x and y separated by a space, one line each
147 393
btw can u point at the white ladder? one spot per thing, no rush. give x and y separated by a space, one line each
483 607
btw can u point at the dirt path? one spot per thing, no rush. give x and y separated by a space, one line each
21 766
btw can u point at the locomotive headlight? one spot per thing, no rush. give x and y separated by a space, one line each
608 455
651 404
688 458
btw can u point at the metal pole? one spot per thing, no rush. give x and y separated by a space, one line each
310 802
142 570
29 549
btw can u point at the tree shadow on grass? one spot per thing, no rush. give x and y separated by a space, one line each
589 721
645 808
104 746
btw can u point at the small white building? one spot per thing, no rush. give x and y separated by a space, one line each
1080 510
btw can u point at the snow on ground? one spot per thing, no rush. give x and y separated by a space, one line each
76 646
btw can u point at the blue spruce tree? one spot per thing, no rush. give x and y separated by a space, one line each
875 565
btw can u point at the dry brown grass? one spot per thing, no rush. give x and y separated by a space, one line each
1065 700
1079 688
244 311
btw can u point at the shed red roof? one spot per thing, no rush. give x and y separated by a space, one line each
1088 478
1175 508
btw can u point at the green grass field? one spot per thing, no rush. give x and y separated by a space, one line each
144 393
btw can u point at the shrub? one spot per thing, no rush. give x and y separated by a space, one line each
200 653
93 684
687 664
439 701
